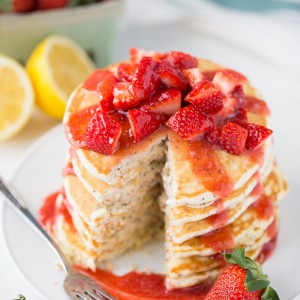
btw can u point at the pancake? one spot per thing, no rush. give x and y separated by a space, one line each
98 219
192 181
111 194
83 250
183 214
257 216
190 260
188 230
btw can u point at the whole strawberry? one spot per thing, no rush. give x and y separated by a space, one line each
51 4
242 279
17 6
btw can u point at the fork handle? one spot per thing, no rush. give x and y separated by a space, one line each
10 197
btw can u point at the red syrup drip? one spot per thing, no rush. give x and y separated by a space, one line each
206 165
68 170
219 220
267 251
47 211
221 239
257 106
141 286
264 207
50 210
272 229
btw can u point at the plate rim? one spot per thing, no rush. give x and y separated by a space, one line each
27 154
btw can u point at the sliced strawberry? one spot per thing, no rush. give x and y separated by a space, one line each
171 77
189 123
77 124
182 60
213 137
230 105
257 134
207 98
105 91
241 115
214 134
209 75
23 5
103 133
102 82
91 83
193 76
126 71
227 80
122 98
144 123
238 93
145 81
51 4
136 54
166 101
233 138
157 56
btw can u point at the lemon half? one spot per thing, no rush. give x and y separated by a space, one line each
56 66
16 97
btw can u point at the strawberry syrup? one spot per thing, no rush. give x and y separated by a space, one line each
206 165
257 106
264 207
220 239
47 211
141 286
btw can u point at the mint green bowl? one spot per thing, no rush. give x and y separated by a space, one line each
92 26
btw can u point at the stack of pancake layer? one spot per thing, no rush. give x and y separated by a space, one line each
211 200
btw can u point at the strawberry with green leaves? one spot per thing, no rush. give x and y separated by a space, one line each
242 279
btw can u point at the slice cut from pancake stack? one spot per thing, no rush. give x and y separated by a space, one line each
212 195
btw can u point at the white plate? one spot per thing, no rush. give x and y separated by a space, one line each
39 172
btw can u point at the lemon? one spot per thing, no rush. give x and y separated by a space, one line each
16 97
56 66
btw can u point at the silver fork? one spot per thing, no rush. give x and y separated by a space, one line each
77 286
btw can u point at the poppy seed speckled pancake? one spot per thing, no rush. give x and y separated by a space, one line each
182 214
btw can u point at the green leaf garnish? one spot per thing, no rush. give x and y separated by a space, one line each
257 284
255 278
239 257
269 294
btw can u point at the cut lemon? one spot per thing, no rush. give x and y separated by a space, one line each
16 97
56 67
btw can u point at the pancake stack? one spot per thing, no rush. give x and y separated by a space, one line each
209 200
198 231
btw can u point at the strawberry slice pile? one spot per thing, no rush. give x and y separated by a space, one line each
206 97
144 123
103 133
190 123
233 138
241 279
166 101
155 90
